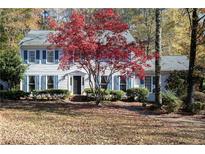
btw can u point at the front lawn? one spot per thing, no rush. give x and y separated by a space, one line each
82 123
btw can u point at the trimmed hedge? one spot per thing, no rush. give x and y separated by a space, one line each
170 102
13 94
139 94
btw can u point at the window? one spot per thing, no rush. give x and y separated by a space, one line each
50 82
103 83
31 83
50 56
32 56
123 83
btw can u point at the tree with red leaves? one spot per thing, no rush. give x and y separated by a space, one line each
99 44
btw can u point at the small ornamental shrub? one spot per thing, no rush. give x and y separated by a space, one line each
88 91
117 94
139 94
170 102
13 94
51 94
196 107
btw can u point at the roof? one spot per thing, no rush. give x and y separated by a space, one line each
171 63
36 38
39 37
168 63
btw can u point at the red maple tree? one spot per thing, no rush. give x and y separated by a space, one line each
99 43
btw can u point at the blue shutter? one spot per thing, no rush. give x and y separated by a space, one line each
116 82
56 56
97 82
128 83
37 56
25 56
44 57
110 84
56 82
43 82
25 82
37 82
142 82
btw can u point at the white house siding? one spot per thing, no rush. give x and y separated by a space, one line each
37 40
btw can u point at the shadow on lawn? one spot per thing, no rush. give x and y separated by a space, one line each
69 108
58 107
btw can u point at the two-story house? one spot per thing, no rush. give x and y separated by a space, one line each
43 72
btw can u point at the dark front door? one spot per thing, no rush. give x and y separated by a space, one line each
77 84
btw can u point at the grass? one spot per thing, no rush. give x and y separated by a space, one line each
83 123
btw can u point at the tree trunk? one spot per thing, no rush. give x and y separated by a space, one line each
158 98
190 79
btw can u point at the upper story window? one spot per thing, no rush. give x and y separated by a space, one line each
32 55
50 56
123 83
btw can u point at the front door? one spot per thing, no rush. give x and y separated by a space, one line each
76 84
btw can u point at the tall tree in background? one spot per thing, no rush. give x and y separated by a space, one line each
14 23
157 59
197 36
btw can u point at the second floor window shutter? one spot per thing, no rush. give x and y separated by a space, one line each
25 56
44 57
56 56
37 56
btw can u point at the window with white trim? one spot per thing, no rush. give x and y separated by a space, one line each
31 83
32 55
123 83
50 56
50 82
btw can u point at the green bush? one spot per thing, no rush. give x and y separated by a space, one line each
117 94
13 94
140 93
196 107
199 96
88 91
170 102
177 82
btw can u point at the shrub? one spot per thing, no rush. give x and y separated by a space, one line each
139 93
199 96
117 94
88 91
170 102
13 94
54 93
196 107
177 82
